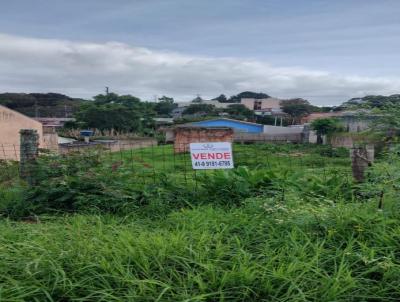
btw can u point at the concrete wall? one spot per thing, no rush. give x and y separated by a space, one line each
274 130
268 103
248 103
186 135
50 138
312 137
11 122
111 145
218 104
264 137
355 123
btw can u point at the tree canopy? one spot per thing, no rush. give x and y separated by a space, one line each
325 126
296 108
165 106
203 109
239 111
124 113
247 94
221 98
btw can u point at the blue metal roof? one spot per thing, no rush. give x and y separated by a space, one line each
236 125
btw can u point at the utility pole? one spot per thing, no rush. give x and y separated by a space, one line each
107 90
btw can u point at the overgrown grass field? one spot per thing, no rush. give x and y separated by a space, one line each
91 231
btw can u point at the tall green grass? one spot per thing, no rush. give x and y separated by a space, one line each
250 234
264 251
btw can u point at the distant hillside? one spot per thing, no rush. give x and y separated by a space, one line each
41 104
372 101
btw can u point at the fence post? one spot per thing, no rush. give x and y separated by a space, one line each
29 151
361 158
305 134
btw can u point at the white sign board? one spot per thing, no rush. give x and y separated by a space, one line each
211 155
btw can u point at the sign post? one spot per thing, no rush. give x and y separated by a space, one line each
207 156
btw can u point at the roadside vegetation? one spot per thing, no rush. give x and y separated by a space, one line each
290 225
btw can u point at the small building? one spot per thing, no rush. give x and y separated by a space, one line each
259 104
242 131
352 121
186 134
11 122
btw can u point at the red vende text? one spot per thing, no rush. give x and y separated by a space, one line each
225 155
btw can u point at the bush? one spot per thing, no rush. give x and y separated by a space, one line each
334 152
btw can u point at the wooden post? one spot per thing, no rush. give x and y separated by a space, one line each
361 158
29 151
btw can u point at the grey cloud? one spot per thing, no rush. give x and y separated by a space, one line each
83 69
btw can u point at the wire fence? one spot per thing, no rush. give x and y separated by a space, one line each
149 162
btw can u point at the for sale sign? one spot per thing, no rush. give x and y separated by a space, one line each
211 155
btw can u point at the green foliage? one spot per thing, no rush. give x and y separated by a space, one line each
221 98
8 170
239 111
75 183
373 101
296 108
164 106
124 113
340 152
200 109
247 94
271 232
266 250
109 116
325 126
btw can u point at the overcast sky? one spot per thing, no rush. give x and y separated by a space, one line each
326 51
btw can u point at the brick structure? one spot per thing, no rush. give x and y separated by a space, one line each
184 135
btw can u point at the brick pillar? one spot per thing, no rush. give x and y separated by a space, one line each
29 151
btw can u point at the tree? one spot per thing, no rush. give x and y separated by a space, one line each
165 106
122 113
197 99
102 99
222 99
109 116
203 109
248 94
239 111
325 126
296 108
